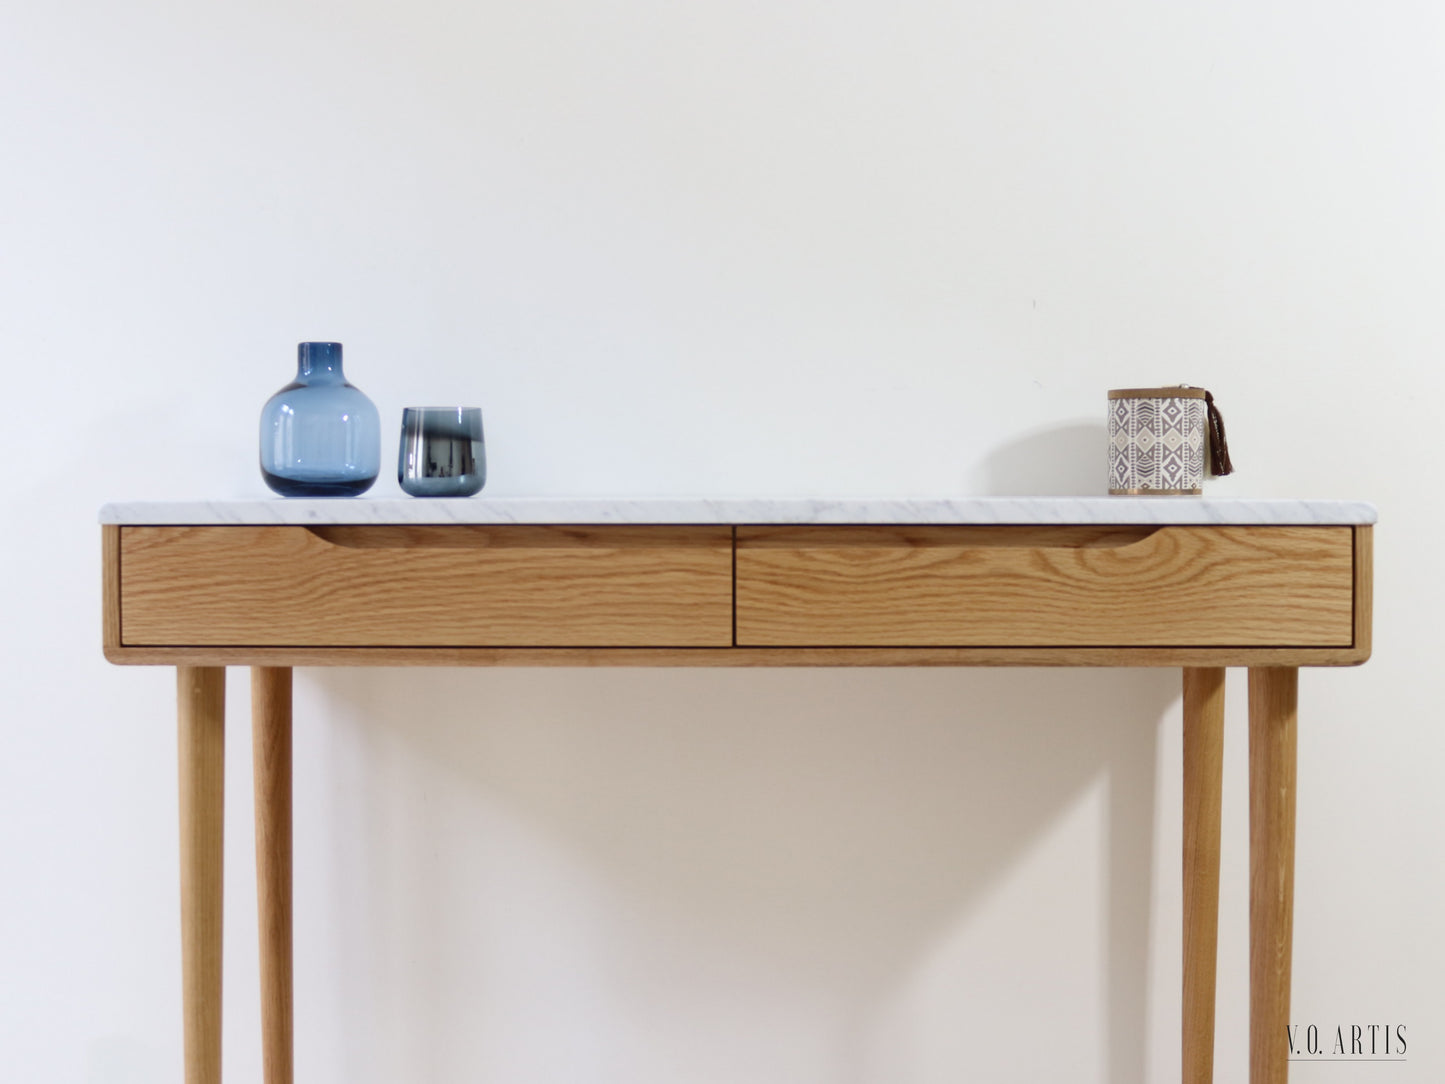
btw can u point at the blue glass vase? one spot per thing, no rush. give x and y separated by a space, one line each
320 436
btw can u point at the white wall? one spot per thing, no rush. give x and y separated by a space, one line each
718 248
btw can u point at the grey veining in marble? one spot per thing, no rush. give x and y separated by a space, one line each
730 510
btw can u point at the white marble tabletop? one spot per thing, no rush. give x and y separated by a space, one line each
741 510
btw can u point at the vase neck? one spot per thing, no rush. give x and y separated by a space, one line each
319 363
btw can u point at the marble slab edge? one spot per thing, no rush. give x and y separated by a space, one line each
739 511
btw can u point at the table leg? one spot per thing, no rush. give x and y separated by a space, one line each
1203 780
271 737
1273 698
201 715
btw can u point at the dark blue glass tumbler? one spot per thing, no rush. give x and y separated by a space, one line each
320 436
442 452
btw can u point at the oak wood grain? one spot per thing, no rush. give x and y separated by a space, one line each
1364 589
1273 724
271 762
109 587
917 587
737 656
1203 783
201 715
415 586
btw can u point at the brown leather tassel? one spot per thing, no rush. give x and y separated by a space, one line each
1219 463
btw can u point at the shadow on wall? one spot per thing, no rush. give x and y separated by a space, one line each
818 831
1064 461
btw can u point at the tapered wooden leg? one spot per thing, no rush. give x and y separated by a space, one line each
1273 699
1203 779
271 737
201 714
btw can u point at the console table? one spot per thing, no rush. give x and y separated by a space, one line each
1198 584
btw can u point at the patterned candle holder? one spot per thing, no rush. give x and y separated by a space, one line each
1157 441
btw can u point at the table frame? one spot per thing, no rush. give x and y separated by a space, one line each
1273 723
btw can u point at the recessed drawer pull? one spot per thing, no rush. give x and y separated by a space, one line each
506 536
904 539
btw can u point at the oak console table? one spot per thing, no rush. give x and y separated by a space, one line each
1198 584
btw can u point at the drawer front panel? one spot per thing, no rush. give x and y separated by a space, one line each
463 586
1045 586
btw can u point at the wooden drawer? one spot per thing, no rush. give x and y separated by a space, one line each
511 586
1045 586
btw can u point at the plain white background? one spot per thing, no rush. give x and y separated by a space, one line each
717 248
